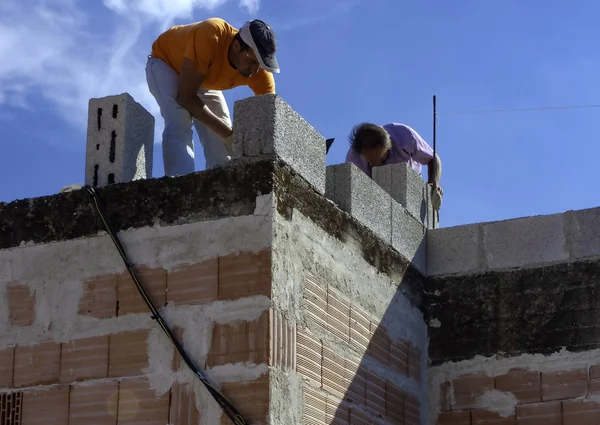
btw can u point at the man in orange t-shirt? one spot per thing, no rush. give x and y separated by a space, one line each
188 69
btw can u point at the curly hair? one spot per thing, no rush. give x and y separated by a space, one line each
369 136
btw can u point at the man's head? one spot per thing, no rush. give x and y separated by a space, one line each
254 47
372 142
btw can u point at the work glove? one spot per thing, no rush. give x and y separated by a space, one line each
229 143
436 197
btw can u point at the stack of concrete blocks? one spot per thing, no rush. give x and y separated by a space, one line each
409 189
120 141
267 127
369 203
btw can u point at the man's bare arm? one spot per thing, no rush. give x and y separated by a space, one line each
434 171
187 96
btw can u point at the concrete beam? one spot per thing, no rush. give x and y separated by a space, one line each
267 126
120 141
407 188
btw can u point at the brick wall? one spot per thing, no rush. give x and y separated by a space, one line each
110 376
523 396
353 372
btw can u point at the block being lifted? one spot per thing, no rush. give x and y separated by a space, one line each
267 126
120 141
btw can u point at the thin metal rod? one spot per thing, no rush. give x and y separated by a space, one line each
434 146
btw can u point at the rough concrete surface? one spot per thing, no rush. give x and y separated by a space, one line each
454 250
528 310
354 192
268 125
408 188
220 192
120 141
496 365
525 241
408 237
583 233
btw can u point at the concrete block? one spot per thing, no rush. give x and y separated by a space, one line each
525 241
454 250
408 237
120 141
407 188
354 192
267 125
583 233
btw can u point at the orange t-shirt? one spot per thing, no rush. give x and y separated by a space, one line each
206 43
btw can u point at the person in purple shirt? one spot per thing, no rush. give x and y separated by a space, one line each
372 145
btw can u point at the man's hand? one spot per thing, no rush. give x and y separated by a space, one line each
436 196
190 81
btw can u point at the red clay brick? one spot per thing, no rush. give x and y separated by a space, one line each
360 330
484 417
462 417
315 301
6 367
565 384
128 353
376 393
399 357
359 417
245 274
282 341
524 384
37 365
356 375
548 413
141 405
337 412
335 380
250 398
595 372
394 404
84 359
240 342
41 407
154 282
315 406
183 410
468 388
445 397
99 298
309 352
581 413
192 284
414 362
412 410
94 403
379 347
177 360
21 304
338 316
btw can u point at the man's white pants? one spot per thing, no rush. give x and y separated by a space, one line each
177 142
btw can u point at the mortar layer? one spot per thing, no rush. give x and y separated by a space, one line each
532 310
216 193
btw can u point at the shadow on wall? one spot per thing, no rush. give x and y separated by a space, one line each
362 367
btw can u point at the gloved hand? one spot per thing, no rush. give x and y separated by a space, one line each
436 197
229 142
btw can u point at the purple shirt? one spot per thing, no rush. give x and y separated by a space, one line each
407 146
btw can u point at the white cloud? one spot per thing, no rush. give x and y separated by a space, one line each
59 50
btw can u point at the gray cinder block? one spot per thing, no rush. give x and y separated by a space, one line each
583 233
354 192
525 241
407 188
268 125
408 237
120 141
454 250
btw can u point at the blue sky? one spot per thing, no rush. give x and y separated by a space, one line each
343 62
